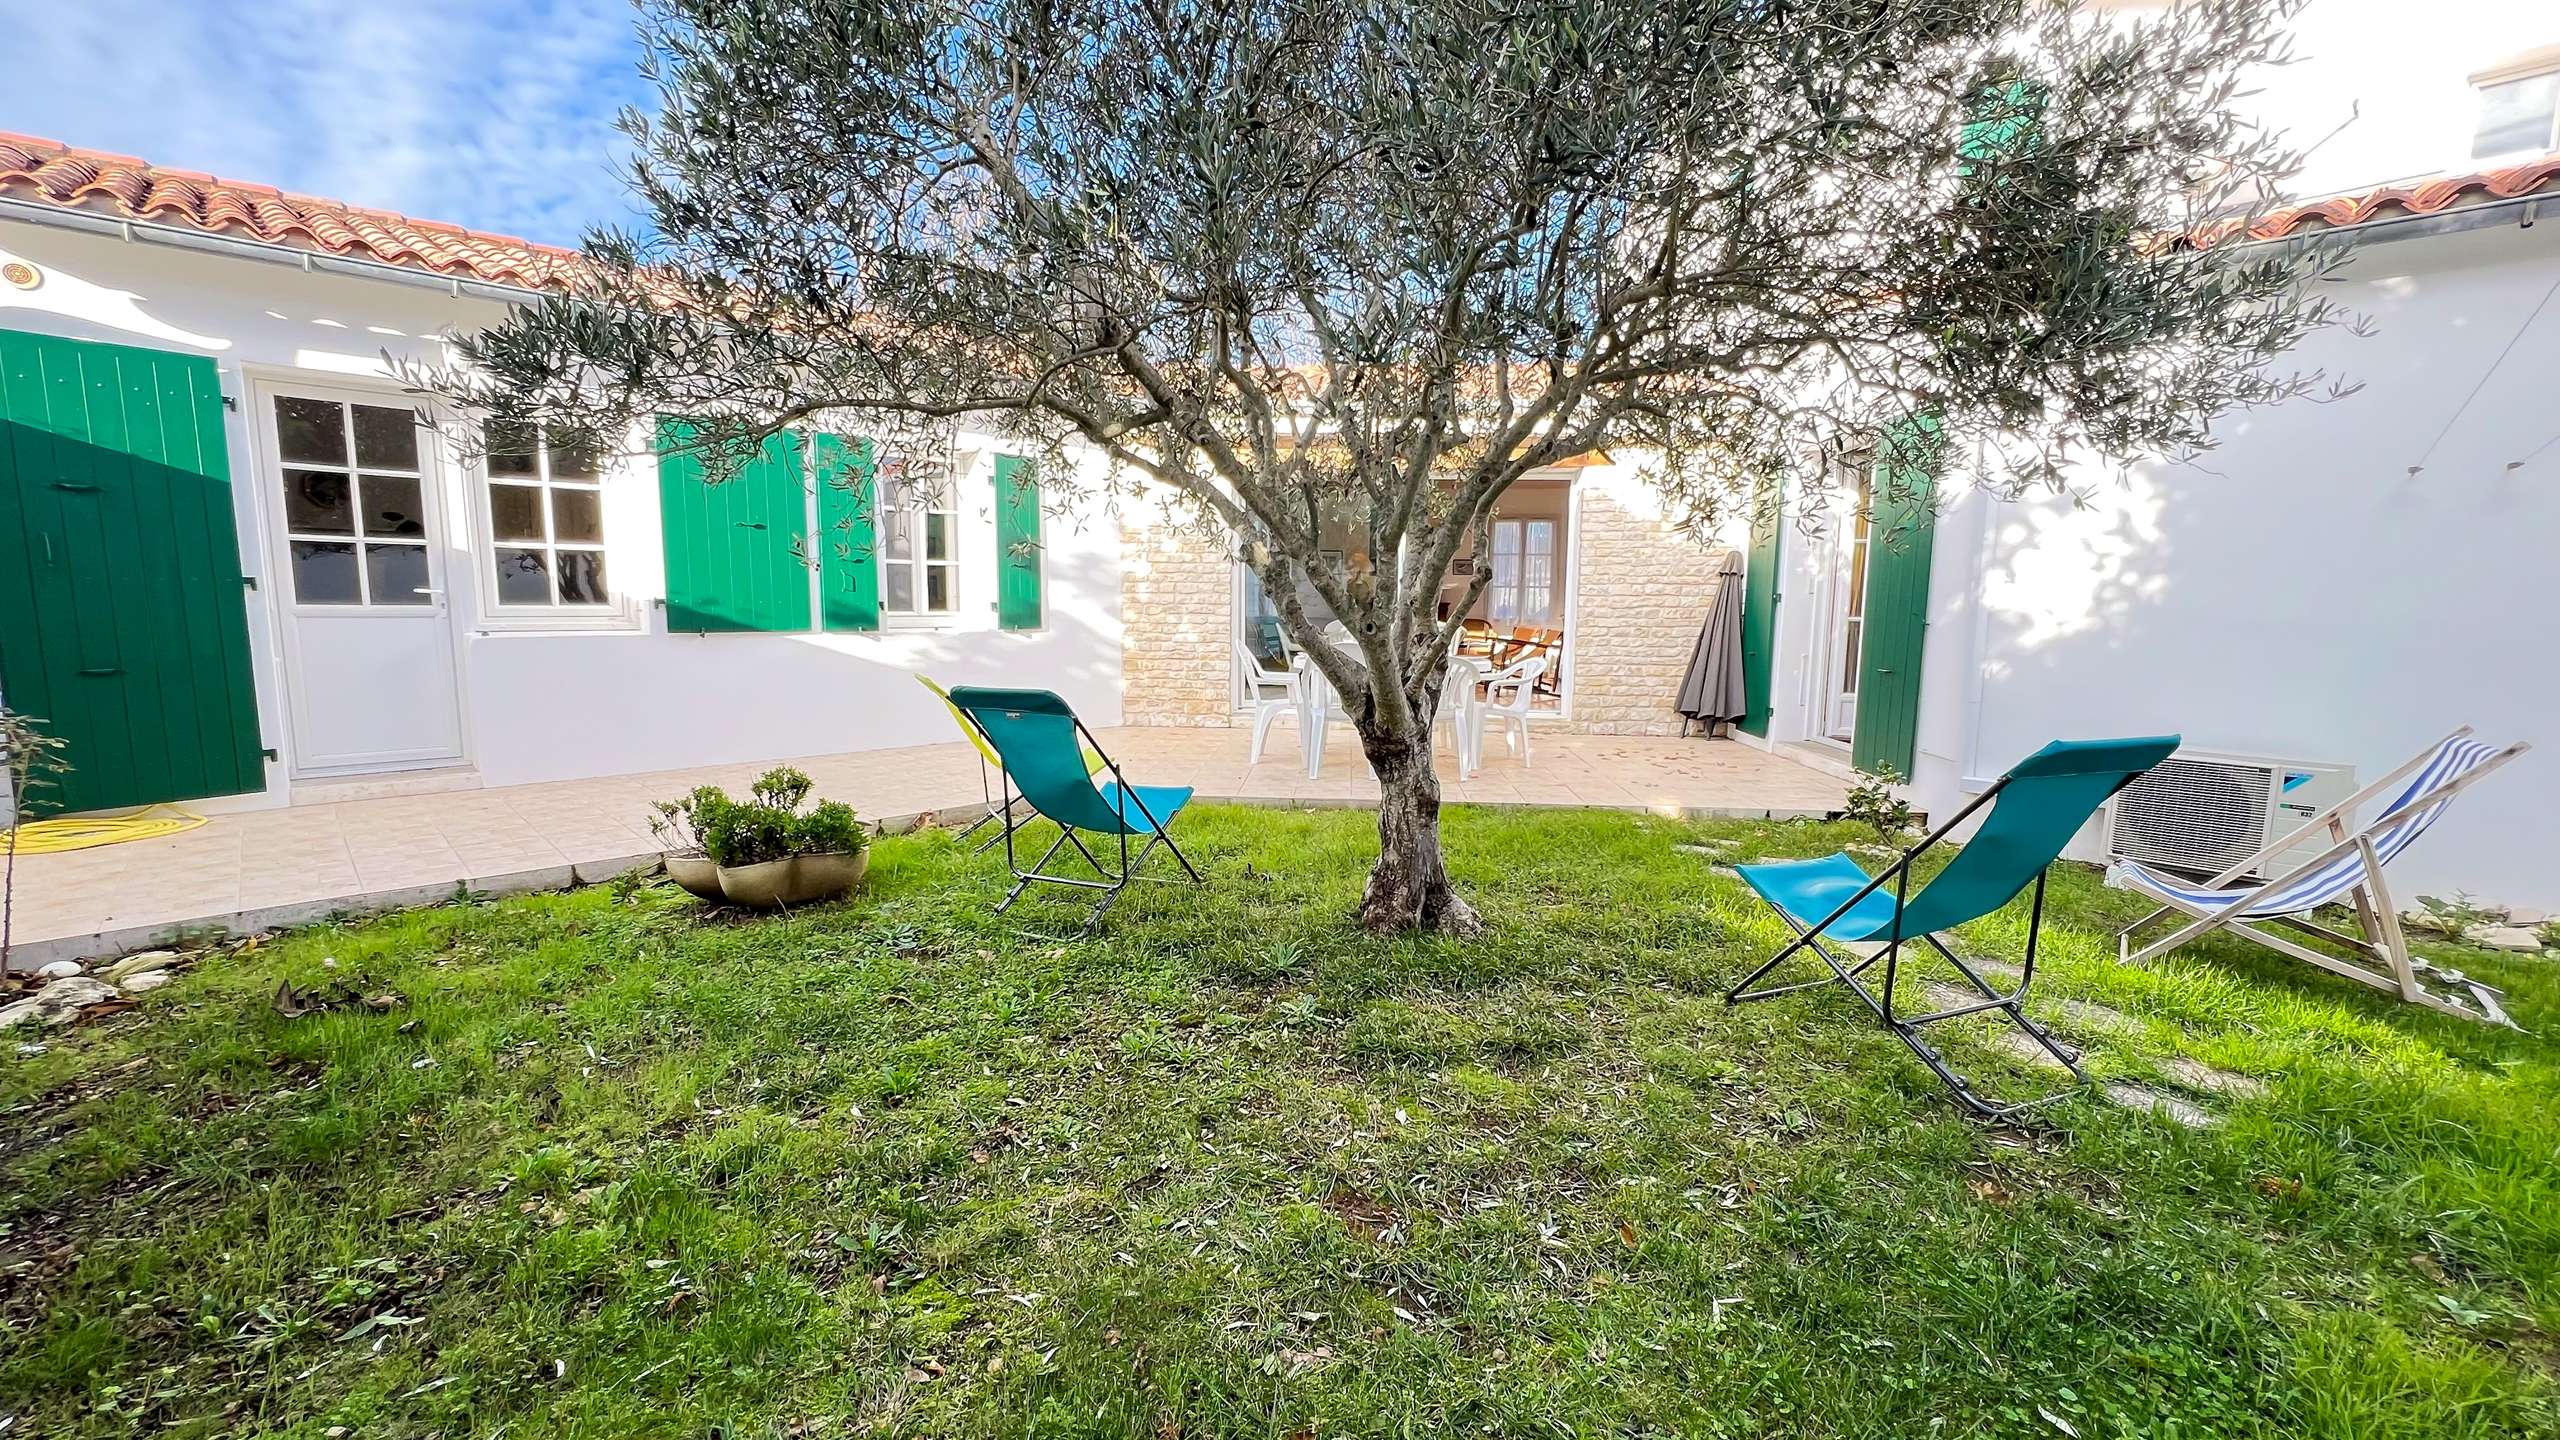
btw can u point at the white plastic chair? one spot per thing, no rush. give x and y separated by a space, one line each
1317 698
1460 706
1522 678
1275 693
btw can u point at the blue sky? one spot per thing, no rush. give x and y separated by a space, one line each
495 114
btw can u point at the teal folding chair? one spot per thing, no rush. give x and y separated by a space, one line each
1042 745
2036 808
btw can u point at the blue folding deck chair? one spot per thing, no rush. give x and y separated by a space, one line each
2041 803
1037 737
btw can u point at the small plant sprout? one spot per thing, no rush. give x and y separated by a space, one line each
1873 802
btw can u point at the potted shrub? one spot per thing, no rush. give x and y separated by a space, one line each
679 826
766 851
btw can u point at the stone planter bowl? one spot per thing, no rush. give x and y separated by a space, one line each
696 875
797 880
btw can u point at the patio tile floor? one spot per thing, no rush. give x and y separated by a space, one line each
261 869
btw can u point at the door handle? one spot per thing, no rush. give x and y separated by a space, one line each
75 486
102 670
430 591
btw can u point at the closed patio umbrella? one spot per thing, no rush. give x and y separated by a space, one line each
1711 693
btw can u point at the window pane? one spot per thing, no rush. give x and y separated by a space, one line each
901 581
577 515
515 512
937 587
386 438
510 448
899 541
397 574
324 573
316 502
524 578
937 536
582 577
572 460
392 506
311 430
2516 116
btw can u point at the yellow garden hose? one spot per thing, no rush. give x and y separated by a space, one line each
52 837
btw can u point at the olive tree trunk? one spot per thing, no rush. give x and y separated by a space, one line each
1409 888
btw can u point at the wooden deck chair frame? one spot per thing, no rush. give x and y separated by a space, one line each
2382 958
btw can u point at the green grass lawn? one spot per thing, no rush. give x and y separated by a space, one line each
617 1166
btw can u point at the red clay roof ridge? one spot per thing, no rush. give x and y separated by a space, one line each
69 177
2422 197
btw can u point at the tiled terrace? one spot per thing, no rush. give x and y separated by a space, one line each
268 868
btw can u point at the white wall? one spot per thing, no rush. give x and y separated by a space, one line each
2298 593
2381 90
562 703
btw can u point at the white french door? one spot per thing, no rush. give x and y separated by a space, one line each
1848 609
1523 590
358 543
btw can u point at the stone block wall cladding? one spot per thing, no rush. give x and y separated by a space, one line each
1642 593
1177 587
1644 588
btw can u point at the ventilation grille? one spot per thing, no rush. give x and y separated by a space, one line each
2203 816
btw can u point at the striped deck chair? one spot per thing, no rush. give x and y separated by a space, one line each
2349 870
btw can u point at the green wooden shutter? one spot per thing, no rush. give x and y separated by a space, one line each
733 549
1018 551
122 624
1895 630
848 549
1760 612
2004 119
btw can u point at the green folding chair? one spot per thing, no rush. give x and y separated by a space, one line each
2036 808
986 757
1042 746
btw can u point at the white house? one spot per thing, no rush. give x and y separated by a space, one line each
290 595
232 566
2339 583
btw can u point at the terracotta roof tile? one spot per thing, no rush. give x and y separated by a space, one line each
2391 202
50 172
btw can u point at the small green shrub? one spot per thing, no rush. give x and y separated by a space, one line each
829 828
781 787
768 826
1873 803
2459 919
679 824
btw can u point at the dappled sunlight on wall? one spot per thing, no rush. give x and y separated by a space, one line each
2066 571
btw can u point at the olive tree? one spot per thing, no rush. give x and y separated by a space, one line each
1367 262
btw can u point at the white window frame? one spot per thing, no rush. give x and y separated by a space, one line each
1526 575
431 595
617 611
917 565
2542 64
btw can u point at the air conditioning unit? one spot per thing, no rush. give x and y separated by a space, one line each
2203 811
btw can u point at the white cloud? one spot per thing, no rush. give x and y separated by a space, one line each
485 113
